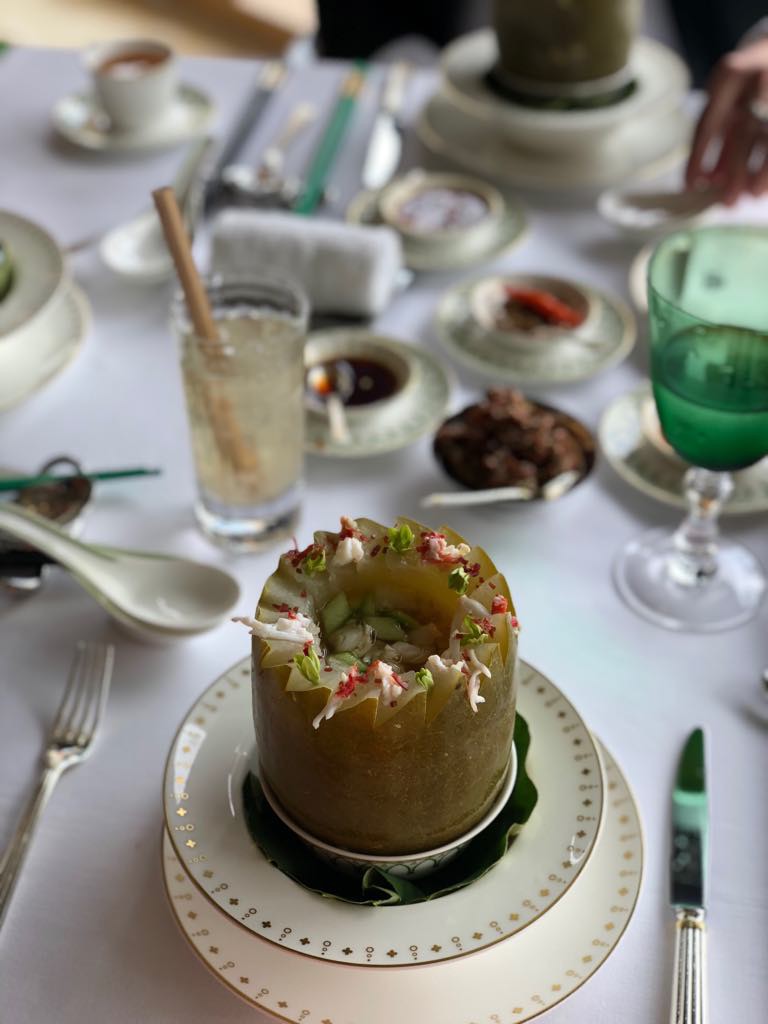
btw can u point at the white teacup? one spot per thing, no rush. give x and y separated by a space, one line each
134 80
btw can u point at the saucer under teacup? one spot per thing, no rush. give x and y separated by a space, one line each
214 751
80 119
604 338
632 443
504 232
414 865
415 408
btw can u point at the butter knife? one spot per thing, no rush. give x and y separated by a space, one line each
386 143
687 873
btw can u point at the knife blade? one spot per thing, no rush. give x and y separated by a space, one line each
385 144
688 868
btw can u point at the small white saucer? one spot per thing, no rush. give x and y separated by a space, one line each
604 339
642 213
417 410
55 339
137 250
629 438
80 120
510 231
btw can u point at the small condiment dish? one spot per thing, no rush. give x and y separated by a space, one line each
434 210
488 301
375 375
646 214
409 865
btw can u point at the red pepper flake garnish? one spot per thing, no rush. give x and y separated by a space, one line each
375 550
349 681
487 626
545 305
303 593
491 585
307 646
327 669
499 605
473 569
514 622
296 557
481 579
281 607
393 703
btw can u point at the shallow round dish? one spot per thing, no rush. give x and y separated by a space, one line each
328 346
641 147
661 80
399 421
604 339
407 866
207 765
510 231
481 225
581 434
488 297
80 119
648 214
38 272
637 455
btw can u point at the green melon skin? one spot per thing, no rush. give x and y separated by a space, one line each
414 782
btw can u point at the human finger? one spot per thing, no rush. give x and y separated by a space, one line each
728 84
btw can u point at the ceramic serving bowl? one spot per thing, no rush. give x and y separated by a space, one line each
413 865
39 276
356 348
488 296
418 204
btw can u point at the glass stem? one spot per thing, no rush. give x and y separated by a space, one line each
694 559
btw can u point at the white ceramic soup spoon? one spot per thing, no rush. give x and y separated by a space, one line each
154 590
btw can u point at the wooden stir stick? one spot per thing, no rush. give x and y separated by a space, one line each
229 437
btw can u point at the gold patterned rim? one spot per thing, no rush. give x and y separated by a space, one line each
522 1013
549 885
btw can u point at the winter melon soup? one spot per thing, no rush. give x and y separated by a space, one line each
384 686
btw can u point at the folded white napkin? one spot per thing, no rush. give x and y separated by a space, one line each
343 268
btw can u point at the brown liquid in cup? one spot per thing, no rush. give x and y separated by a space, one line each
131 63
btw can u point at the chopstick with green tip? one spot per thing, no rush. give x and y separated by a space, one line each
323 159
18 483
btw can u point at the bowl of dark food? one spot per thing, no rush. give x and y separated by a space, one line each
508 447
523 308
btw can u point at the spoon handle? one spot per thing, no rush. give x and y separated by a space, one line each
42 534
488 496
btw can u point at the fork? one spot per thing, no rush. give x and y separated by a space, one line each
69 742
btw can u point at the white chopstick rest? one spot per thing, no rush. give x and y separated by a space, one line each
343 268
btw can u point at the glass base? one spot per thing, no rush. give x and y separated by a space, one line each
241 530
728 598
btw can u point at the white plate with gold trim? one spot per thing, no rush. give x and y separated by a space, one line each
604 339
631 440
53 342
206 767
80 120
512 981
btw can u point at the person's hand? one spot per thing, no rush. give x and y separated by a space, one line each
730 146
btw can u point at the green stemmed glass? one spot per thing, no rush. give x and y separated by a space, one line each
708 314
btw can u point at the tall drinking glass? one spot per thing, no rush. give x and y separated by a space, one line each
708 311
245 406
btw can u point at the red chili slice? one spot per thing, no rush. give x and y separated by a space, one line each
546 305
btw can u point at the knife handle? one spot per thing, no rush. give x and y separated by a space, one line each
688 996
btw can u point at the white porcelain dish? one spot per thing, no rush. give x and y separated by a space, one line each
661 77
632 448
640 148
208 763
645 213
39 272
53 339
513 981
604 339
79 119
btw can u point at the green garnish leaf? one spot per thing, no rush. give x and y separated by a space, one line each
309 665
424 678
473 632
401 538
315 562
458 579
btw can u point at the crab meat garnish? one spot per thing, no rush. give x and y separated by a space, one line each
296 629
349 549
476 669
434 547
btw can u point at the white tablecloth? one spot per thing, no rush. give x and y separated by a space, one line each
89 937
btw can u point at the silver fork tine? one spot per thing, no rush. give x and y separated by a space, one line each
70 741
